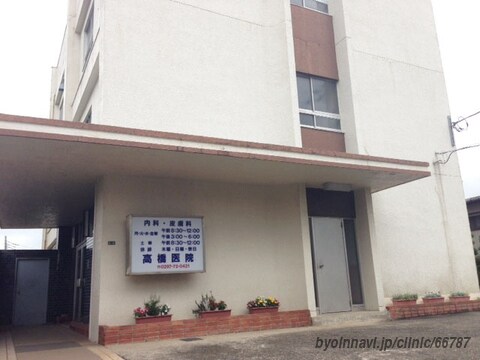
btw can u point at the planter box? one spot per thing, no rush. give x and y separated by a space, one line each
263 310
215 314
437 300
402 303
153 319
459 298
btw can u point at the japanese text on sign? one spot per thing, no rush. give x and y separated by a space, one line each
165 245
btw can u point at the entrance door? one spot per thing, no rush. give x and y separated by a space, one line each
31 292
331 271
83 279
77 300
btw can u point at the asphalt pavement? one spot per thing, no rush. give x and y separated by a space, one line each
443 337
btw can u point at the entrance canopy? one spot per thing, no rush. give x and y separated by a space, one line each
49 168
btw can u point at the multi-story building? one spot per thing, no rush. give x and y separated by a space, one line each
299 136
473 208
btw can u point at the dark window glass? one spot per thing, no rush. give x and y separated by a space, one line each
326 122
325 95
307 120
304 93
316 5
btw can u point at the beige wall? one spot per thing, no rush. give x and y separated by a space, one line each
215 68
393 102
253 246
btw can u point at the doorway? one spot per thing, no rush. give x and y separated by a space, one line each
31 292
330 265
335 261
83 273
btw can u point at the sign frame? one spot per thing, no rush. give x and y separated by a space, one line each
130 244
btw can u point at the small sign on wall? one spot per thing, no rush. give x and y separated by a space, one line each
165 245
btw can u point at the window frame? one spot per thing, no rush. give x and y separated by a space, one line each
325 2
314 112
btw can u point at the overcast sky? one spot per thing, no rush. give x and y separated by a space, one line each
31 32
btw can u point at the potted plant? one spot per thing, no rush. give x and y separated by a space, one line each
152 311
208 307
433 298
263 305
459 296
405 299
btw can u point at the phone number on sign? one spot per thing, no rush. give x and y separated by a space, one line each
174 266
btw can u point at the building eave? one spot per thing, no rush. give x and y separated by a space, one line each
49 168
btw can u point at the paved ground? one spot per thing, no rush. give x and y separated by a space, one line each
49 342
301 343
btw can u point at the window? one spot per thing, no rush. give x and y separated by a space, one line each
60 110
319 5
318 102
88 117
88 37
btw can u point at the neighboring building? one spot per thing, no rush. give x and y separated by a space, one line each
300 142
50 239
473 208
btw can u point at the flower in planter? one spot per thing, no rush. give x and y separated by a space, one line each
404 297
261 301
139 312
152 307
458 294
208 303
432 295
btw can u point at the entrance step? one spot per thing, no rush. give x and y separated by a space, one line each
354 317
80 328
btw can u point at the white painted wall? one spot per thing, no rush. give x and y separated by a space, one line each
393 103
253 246
214 68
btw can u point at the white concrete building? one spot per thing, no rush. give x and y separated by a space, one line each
304 139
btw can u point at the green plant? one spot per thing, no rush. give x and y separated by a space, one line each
152 307
432 295
458 294
261 301
405 296
208 303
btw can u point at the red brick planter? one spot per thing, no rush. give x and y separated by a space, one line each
419 310
438 300
459 298
202 327
263 310
404 302
153 319
215 314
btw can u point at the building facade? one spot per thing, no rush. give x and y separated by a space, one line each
473 208
303 133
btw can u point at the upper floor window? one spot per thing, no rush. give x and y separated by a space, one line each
88 36
88 117
319 5
318 102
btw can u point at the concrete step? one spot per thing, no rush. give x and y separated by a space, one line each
344 318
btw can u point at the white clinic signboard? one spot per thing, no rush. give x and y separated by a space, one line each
165 245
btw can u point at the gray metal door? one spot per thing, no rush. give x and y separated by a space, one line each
31 292
330 262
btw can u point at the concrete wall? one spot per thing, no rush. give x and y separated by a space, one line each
216 68
393 102
253 246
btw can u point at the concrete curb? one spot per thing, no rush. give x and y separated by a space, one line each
7 350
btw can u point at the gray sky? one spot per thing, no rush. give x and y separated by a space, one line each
31 32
